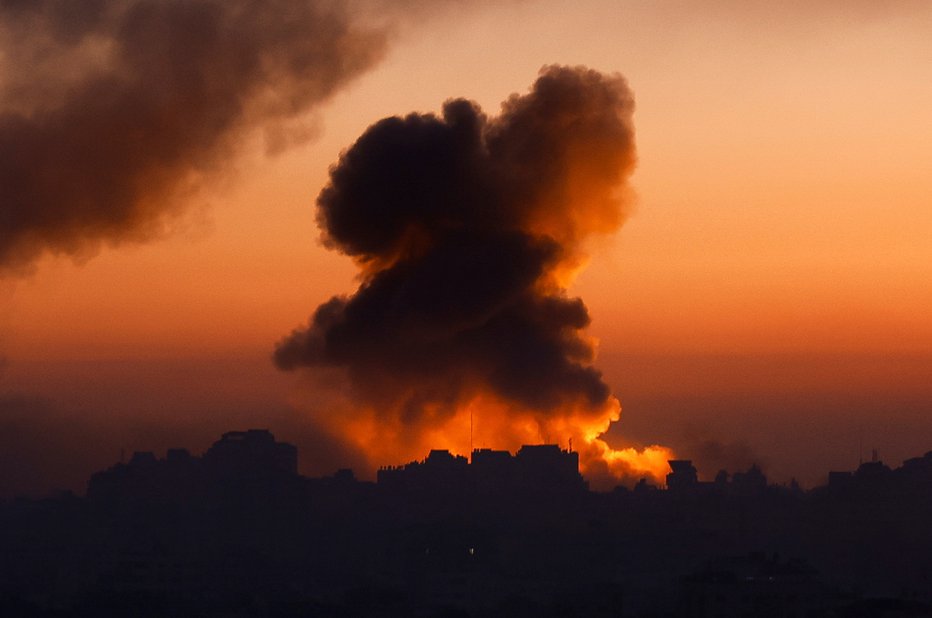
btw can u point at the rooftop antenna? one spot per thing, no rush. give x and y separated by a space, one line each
470 434
571 444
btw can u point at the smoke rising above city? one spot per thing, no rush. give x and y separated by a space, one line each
467 229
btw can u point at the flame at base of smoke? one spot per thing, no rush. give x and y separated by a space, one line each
605 467
386 437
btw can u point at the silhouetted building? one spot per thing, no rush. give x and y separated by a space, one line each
178 456
251 452
644 487
143 458
440 471
918 467
840 480
542 467
751 481
684 475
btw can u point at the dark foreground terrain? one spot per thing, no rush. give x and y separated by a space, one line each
237 532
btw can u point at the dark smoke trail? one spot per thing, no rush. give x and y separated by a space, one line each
109 108
467 230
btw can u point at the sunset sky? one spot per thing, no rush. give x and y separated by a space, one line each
767 298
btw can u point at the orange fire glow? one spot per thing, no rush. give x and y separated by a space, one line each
486 421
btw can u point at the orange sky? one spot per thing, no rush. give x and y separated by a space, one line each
783 215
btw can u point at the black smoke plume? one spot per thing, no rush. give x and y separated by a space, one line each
467 229
109 108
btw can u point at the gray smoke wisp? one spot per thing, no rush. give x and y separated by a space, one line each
109 108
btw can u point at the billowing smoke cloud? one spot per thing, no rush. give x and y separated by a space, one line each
467 230
109 109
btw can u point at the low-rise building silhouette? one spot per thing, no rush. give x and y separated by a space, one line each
534 468
251 452
684 475
238 456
